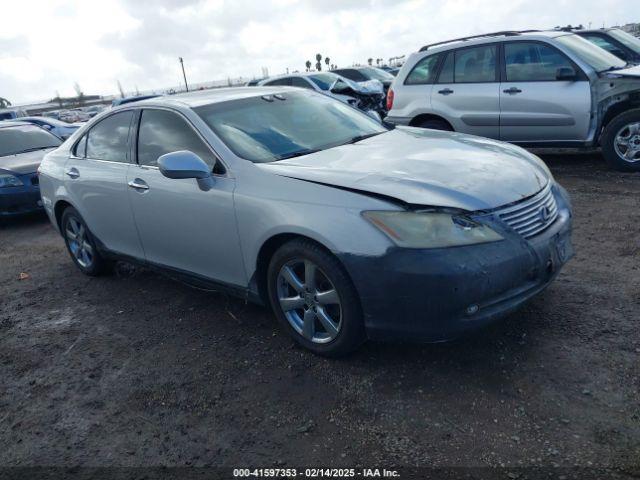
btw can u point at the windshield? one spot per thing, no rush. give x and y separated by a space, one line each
595 56
270 128
626 39
24 139
377 74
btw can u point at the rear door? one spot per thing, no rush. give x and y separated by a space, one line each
534 105
466 93
96 180
181 226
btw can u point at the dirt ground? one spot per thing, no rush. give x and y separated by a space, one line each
136 370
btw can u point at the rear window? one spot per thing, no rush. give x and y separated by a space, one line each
25 138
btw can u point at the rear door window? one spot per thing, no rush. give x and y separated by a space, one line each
300 83
446 72
109 139
475 65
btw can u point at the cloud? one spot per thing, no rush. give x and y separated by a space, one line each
138 42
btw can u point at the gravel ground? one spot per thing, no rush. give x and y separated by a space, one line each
136 369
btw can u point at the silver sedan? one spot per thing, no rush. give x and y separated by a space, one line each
348 230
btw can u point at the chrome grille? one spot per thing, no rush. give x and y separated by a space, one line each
533 215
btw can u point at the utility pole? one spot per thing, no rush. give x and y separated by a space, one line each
184 74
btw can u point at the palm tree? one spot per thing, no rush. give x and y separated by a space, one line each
370 61
327 60
308 65
4 103
319 62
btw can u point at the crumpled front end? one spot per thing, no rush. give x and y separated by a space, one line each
432 295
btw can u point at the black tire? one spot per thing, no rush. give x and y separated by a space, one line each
351 332
97 265
434 124
608 141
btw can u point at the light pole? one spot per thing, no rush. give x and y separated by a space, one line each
184 74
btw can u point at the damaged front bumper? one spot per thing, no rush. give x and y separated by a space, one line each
432 295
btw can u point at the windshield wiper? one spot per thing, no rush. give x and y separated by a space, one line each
359 138
299 153
34 149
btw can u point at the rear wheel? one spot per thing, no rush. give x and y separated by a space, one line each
314 299
434 124
621 142
80 244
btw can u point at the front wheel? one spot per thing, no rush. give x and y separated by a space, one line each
621 142
314 299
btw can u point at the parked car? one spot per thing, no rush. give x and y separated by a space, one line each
125 100
22 146
537 89
60 129
93 110
254 82
367 96
366 74
12 113
289 198
615 41
68 116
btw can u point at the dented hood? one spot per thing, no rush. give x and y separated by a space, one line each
626 72
425 167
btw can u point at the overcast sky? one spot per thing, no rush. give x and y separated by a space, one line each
48 45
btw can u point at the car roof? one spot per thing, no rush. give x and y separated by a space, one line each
492 38
207 97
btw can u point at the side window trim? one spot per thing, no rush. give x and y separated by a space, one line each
215 155
503 62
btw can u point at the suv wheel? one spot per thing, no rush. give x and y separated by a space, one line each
621 142
80 244
314 298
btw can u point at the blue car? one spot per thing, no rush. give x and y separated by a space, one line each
60 129
22 147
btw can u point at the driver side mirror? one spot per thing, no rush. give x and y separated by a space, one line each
185 164
566 74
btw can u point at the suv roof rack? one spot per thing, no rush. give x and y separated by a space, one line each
503 33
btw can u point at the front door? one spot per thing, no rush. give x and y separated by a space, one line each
534 105
466 92
181 226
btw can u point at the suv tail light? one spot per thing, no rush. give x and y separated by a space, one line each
390 96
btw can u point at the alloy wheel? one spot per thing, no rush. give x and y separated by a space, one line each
309 301
79 244
627 143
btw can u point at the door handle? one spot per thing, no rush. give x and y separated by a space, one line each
446 91
512 90
138 184
72 172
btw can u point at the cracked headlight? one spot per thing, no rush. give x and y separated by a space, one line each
430 229
7 180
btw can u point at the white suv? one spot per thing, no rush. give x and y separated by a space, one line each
537 89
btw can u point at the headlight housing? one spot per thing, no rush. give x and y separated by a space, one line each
430 229
8 180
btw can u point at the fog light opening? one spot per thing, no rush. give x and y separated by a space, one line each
472 309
